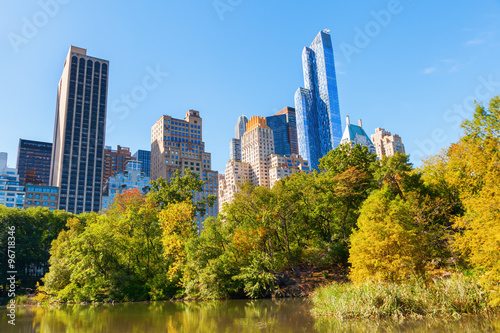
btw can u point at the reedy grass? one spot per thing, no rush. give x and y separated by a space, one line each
414 298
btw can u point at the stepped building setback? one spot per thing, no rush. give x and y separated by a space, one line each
177 144
387 144
259 164
284 166
256 145
115 160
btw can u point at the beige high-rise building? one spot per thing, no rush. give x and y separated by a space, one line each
176 144
259 164
283 166
256 145
236 173
386 144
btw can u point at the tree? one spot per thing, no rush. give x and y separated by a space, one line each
180 189
389 245
178 226
35 228
397 173
116 256
474 168
344 156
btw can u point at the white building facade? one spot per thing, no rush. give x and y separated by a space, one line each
12 194
132 178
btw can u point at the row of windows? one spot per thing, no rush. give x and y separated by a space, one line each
41 189
183 124
11 205
44 203
45 197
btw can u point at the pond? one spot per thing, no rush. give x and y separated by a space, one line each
241 316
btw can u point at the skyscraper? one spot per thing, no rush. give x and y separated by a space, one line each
145 157
176 144
241 127
33 162
235 143
259 164
284 128
256 145
319 127
79 130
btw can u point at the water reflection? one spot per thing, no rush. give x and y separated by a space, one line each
242 316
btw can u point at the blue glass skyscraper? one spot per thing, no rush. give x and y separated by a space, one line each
145 157
284 129
319 128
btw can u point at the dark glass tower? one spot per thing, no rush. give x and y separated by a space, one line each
145 157
284 129
33 162
319 128
79 130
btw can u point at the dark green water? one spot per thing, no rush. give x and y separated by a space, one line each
240 316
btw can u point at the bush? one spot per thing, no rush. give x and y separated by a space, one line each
257 280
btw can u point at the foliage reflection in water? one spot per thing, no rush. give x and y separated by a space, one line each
242 316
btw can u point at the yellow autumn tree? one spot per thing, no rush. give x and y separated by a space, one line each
473 167
387 246
178 227
480 241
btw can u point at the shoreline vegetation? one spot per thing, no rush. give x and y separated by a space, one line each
389 228
449 297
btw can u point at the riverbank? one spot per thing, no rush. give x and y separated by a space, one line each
300 283
307 279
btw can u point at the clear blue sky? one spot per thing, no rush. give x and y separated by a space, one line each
414 73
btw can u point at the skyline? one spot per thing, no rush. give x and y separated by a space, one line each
415 77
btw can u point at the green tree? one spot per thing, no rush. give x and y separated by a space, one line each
343 157
397 173
116 256
180 189
35 228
